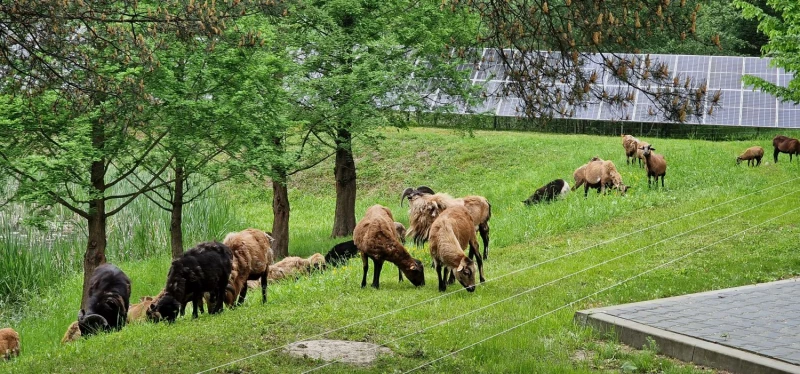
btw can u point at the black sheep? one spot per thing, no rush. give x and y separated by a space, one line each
204 268
548 192
108 302
341 253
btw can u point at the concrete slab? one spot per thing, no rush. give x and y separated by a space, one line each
748 330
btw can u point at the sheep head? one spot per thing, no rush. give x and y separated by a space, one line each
415 273
167 308
411 193
646 149
465 273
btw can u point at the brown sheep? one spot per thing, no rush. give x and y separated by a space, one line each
376 238
424 206
598 174
291 266
9 343
752 155
656 165
785 144
631 146
252 255
580 174
73 333
451 233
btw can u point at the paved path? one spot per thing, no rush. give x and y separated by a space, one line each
751 329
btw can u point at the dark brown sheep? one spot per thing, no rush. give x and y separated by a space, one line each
204 268
451 233
252 255
375 237
548 192
107 305
752 155
785 144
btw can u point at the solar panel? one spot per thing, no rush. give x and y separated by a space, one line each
740 105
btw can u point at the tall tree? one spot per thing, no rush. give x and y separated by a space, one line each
780 21
356 63
73 72
218 103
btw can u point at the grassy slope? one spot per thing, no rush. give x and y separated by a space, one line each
506 168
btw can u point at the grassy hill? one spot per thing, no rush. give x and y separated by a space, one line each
545 262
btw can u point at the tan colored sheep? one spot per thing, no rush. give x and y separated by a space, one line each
631 146
252 256
751 155
376 238
317 261
451 233
138 311
73 333
599 174
9 343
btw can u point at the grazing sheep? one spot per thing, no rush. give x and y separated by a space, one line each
451 233
752 155
9 343
252 254
72 334
631 146
424 206
656 164
785 144
376 238
204 268
108 301
549 192
598 174
291 266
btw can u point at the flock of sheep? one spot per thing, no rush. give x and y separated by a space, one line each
215 273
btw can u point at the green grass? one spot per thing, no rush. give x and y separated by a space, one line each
545 263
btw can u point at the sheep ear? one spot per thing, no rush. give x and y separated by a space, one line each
414 267
652 149
460 267
81 314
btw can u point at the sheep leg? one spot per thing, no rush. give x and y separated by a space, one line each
483 229
399 274
473 249
585 190
775 154
442 285
195 302
452 278
365 260
264 287
376 274
662 181
243 293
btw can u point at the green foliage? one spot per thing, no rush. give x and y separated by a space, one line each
780 21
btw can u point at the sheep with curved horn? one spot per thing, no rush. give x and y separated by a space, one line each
425 206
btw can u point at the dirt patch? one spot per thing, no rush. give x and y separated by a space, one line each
357 353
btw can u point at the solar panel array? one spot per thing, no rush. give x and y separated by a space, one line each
740 105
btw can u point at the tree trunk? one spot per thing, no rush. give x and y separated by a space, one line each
176 220
280 221
96 248
344 171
